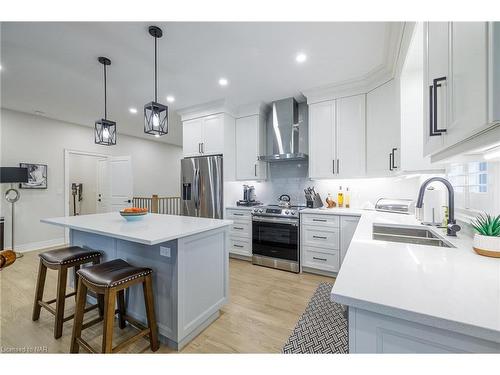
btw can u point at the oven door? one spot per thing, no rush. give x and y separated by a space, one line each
276 237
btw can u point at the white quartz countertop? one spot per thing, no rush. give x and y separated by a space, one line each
151 230
449 288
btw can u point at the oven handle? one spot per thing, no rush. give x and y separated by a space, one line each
292 222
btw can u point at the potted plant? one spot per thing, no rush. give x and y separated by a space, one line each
487 238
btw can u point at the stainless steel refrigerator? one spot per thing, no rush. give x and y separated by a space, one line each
202 186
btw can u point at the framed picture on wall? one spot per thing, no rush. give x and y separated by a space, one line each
37 176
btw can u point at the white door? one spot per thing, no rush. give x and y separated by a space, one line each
468 80
191 137
213 135
436 63
103 186
121 182
247 147
350 136
383 130
321 140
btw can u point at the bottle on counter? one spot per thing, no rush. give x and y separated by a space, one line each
340 197
347 198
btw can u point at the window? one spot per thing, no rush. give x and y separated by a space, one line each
475 187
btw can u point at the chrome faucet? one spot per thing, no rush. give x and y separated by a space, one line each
452 227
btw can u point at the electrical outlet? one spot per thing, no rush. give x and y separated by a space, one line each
165 251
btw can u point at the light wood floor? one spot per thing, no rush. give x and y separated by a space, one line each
264 307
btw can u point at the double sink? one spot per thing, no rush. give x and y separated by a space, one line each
408 234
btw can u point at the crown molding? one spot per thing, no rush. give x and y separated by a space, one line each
371 80
206 109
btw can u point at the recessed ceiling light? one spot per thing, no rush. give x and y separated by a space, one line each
223 82
301 57
132 110
170 99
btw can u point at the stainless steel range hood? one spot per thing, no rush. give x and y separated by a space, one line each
286 131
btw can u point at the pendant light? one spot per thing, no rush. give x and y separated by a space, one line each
105 130
155 114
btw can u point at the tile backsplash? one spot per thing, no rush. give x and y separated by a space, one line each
291 178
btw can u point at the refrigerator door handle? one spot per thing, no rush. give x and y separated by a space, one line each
196 189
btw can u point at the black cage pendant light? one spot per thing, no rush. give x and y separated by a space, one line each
105 130
155 114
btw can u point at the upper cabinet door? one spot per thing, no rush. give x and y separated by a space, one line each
213 135
322 140
247 146
469 57
350 136
191 137
436 67
383 130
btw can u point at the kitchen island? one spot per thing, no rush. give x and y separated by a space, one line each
189 258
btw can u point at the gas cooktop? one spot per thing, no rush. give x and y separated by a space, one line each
278 211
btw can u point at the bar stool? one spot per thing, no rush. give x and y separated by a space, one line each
60 260
111 279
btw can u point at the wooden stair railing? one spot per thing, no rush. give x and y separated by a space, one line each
159 205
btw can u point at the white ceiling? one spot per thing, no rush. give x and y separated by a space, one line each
52 67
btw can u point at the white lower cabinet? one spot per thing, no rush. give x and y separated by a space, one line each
240 232
370 332
324 240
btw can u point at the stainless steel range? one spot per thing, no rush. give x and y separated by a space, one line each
275 237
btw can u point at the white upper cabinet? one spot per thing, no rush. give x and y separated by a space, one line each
337 138
455 82
469 77
350 136
192 137
322 152
250 143
211 135
383 131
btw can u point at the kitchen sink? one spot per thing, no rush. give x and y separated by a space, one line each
408 234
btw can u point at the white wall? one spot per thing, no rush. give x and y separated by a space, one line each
83 169
29 138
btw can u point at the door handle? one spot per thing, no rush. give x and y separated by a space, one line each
394 158
127 201
435 85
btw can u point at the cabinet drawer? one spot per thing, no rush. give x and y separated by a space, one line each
239 214
321 236
323 220
321 260
241 229
240 246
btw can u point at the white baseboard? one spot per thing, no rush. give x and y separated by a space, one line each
39 245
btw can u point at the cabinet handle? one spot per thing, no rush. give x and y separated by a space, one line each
431 113
394 158
255 169
238 246
235 214
435 112
390 161
333 166
321 220
239 228
199 148
338 166
320 237
203 147
323 259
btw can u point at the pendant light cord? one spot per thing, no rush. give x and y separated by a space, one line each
105 95
156 73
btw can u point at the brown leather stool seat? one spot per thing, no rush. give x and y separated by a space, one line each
67 255
112 273
61 260
109 281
